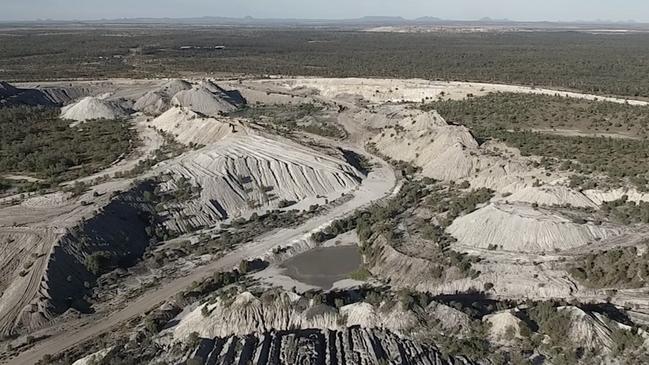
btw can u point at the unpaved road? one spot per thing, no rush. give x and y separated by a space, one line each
379 183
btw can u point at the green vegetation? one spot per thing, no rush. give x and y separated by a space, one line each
516 111
618 159
385 220
169 149
626 212
99 262
37 143
288 118
553 335
628 346
453 202
406 168
607 64
361 274
202 289
616 268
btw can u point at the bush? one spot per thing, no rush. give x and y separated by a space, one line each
617 268
362 274
99 262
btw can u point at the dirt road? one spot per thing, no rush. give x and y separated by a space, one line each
379 183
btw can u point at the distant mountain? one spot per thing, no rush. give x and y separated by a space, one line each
490 20
383 18
363 22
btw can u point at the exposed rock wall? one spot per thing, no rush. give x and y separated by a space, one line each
348 346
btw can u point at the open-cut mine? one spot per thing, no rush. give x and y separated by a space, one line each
237 230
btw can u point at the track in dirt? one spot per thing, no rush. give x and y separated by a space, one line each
379 184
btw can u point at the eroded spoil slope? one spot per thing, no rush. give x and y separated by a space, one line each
248 173
241 171
54 275
189 127
451 153
283 327
352 346
157 101
90 108
523 228
208 99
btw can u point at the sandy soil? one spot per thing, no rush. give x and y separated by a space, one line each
58 212
378 184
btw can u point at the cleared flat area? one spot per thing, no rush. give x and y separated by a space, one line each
323 266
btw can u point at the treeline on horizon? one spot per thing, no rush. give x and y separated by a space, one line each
602 64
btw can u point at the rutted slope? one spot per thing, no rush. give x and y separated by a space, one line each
246 173
189 127
351 346
24 262
523 228
450 153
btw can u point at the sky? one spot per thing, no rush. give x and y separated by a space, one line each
524 10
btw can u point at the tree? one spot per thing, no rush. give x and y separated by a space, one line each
244 266
98 262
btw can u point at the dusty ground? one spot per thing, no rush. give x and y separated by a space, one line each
368 106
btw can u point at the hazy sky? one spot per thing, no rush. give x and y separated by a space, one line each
329 9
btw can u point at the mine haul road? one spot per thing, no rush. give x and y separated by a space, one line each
380 183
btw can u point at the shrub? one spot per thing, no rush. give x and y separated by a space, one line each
99 262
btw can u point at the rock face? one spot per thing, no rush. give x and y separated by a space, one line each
90 108
525 229
350 346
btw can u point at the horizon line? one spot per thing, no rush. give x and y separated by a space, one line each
430 19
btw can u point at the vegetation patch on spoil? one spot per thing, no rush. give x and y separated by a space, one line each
617 268
620 160
514 111
37 143
288 118
389 219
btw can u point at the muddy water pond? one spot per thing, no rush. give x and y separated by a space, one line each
323 266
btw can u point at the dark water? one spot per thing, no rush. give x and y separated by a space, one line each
323 266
